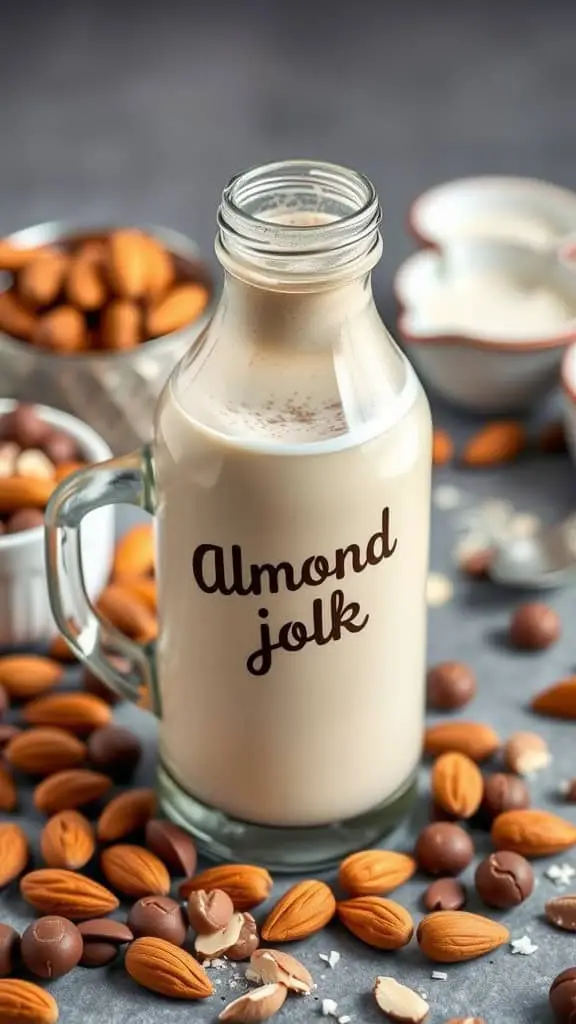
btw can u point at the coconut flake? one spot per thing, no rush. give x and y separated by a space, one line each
439 589
524 946
560 874
330 958
446 497
439 976
329 1008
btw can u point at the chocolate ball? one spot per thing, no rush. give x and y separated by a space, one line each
25 519
93 683
102 938
172 845
477 564
115 750
159 916
562 996
24 426
9 950
450 685
443 849
51 947
504 792
445 894
59 447
534 627
504 879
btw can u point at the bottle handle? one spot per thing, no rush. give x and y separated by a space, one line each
128 480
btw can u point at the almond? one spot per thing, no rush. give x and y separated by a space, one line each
160 272
145 589
75 787
166 969
272 966
457 785
8 795
451 936
24 492
526 753
126 262
134 871
378 922
215 944
85 285
15 319
79 712
181 306
121 325
22 1002
28 675
14 852
13 257
125 814
375 872
442 447
476 740
257 1005
303 910
63 329
59 648
41 280
126 612
67 841
532 833
134 555
67 894
498 442
399 1002
558 701
44 750
245 884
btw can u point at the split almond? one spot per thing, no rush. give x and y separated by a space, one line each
28 675
375 872
134 871
14 852
126 813
67 841
64 791
442 447
273 967
558 701
526 753
476 740
399 1002
532 833
22 1002
8 794
258 1005
67 894
134 555
245 884
498 442
457 785
42 751
378 922
79 712
161 967
214 944
451 936
303 910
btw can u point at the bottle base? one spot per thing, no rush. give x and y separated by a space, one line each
223 838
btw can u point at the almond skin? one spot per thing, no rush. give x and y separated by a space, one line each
452 936
498 442
44 750
8 794
27 675
85 285
67 841
41 280
63 791
181 306
59 648
303 910
442 447
127 613
145 590
67 894
476 740
14 852
558 701
134 871
532 833
166 969
79 712
125 814
13 257
24 492
378 922
126 263
120 325
22 1002
134 554
245 884
457 785
62 329
375 872
15 318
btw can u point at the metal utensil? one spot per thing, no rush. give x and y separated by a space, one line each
544 561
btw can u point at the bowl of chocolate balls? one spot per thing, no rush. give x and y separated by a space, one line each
39 447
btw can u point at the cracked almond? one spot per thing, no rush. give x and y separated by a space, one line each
400 1003
272 966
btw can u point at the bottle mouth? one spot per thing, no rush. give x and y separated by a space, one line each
299 217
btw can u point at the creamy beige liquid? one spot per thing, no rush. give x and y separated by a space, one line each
300 701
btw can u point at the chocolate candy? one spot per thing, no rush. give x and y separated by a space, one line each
25 519
569 792
561 911
159 916
172 845
443 849
209 912
93 684
449 685
9 950
114 749
247 941
59 447
562 996
534 627
504 879
102 938
445 894
51 947
504 792
24 426
477 564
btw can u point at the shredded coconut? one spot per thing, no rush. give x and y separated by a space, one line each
330 958
524 946
560 874
329 1008
446 497
439 976
439 589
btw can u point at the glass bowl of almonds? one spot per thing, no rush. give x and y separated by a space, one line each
92 320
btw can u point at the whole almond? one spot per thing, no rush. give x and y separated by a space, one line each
442 447
181 306
272 966
28 675
15 318
8 794
67 841
75 787
476 740
63 329
126 262
532 833
457 785
121 325
125 814
59 648
451 936
526 753
209 912
400 1003
85 285
558 701
498 442
378 922
41 280
67 894
245 884
258 1005
134 871
306 908
145 590
14 852
134 554
160 269
18 492
13 257
41 751
561 911
79 712
126 612
164 968
375 872
22 1002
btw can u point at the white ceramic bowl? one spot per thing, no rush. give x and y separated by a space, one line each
568 382
25 616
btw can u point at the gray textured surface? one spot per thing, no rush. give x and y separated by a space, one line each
143 112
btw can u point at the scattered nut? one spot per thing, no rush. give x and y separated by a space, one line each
399 1002
534 627
526 753
450 685
504 880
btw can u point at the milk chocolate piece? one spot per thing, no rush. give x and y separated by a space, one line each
9 950
562 996
561 911
445 894
115 750
159 916
173 846
534 627
443 848
51 947
504 879
102 939
503 792
450 685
